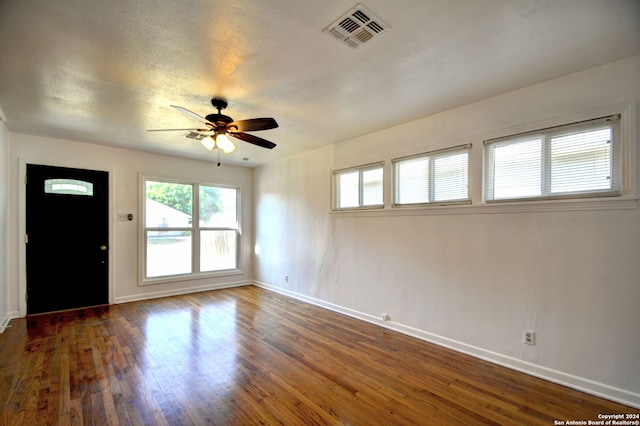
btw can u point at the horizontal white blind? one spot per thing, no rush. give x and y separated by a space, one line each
372 187
451 176
516 169
436 177
566 161
581 161
412 178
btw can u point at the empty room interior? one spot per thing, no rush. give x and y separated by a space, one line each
304 212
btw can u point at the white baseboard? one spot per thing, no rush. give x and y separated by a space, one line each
6 319
602 390
177 292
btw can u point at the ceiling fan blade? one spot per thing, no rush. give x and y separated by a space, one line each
253 140
253 124
203 131
192 114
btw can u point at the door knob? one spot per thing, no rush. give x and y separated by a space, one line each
103 247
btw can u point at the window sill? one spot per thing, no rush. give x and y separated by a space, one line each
189 277
359 209
567 205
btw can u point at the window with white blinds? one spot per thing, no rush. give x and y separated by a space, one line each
575 160
436 177
359 187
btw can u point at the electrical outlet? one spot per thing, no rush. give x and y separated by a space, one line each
286 278
385 317
529 337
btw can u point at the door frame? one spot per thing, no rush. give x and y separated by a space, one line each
22 222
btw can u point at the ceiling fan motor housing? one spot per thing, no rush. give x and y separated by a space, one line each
219 118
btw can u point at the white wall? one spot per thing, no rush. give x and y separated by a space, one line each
124 167
471 278
5 315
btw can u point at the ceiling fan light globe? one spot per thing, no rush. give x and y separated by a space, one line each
223 142
208 143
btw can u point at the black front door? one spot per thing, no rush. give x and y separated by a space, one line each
67 238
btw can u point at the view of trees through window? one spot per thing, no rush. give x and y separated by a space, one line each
182 239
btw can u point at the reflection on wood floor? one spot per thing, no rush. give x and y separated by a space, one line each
249 356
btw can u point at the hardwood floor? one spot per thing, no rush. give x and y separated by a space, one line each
248 356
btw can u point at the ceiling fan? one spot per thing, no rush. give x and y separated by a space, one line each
218 127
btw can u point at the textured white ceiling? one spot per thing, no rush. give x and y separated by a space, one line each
105 71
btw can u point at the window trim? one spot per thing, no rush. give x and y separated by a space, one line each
565 205
194 229
431 155
360 169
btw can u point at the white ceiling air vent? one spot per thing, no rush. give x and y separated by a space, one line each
357 27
